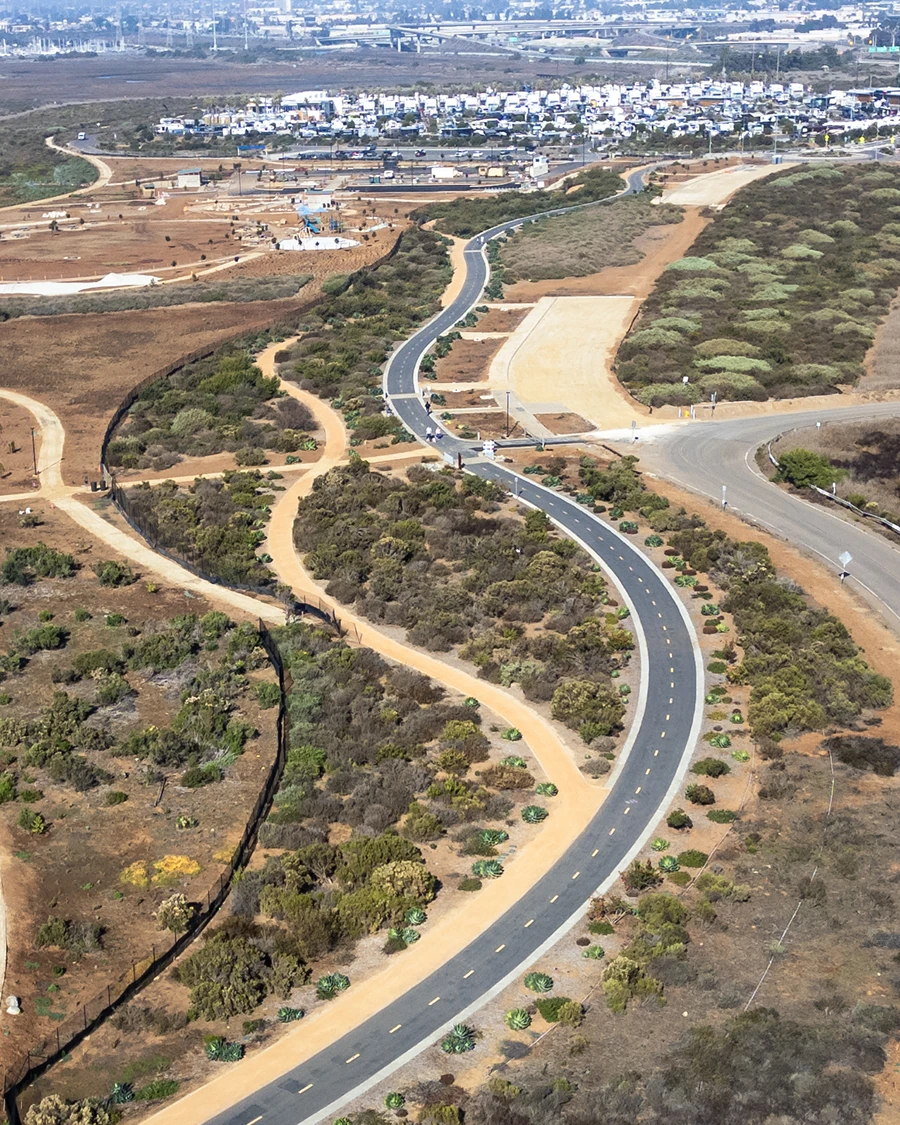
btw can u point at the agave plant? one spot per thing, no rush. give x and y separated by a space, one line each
122 1092
395 1101
218 1049
594 953
492 837
538 982
459 1040
659 844
409 935
515 761
329 986
487 869
668 863
342 1121
289 1015
512 734
534 814
720 740
546 789
740 756
653 541
710 610
471 701
415 916
737 717
517 1019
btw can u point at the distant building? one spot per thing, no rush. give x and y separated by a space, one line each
189 178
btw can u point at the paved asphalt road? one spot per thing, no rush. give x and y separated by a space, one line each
669 712
706 456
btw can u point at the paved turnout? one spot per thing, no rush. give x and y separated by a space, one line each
650 769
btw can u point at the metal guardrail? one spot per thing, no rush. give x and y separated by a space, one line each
826 495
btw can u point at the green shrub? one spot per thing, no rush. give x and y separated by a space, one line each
24 565
721 816
218 1049
692 858
802 468
157 1089
601 928
700 795
679 819
711 767
549 1008
267 694
198 776
32 821
112 573
460 1040
717 667
470 884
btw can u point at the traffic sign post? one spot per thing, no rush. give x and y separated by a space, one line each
845 558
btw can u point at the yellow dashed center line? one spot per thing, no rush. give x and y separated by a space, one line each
395 1028
577 873
530 922
637 790
595 852
647 771
611 831
626 812
468 974
662 734
308 1086
434 1001
555 897
255 1119
500 948
353 1057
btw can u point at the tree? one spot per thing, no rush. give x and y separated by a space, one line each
803 469
404 878
175 914
226 977
577 702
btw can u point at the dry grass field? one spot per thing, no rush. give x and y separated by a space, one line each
584 242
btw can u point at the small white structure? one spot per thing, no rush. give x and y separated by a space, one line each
539 168
444 172
13 1007
317 242
191 178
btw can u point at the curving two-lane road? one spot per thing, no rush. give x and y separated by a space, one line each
650 769
704 457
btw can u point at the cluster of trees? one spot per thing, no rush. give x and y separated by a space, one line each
781 295
374 747
434 555
752 1069
216 524
220 404
803 667
348 337
67 738
467 215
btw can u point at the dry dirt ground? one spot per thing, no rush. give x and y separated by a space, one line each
73 870
16 460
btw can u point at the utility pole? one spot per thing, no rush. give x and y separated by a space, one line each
507 414
33 452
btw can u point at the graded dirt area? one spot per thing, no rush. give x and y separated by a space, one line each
82 366
16 454
714 189
558 361
882 362
467 361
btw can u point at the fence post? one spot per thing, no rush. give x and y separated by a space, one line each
84 1015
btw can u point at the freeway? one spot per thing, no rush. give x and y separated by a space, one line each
646 778
705 457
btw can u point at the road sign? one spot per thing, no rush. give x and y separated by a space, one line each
845 559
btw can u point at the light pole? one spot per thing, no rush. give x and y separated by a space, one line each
507 413
33 452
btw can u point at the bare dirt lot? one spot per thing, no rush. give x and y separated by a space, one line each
501 320
882 361
467 362
82 366
16 460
